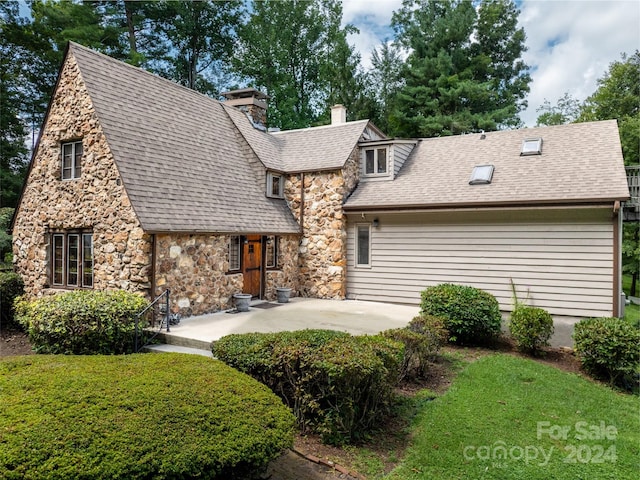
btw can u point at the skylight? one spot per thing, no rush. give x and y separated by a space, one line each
481 175
531 146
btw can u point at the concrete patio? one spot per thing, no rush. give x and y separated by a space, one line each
352 316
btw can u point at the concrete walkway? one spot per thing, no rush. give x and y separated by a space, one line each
352 316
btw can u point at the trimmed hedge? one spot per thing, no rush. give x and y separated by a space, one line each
336 384
472 316
422 339
11 287
136 417
81 322
609 348
531 328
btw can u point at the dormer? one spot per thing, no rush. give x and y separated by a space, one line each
382 159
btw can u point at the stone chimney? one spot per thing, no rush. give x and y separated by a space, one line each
250 101
338 114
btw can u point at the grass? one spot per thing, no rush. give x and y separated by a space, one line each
512 418
626 284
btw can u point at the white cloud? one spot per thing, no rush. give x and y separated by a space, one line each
571 43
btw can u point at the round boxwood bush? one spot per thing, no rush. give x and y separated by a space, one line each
609 348
163 416
531 328
472 316
81 322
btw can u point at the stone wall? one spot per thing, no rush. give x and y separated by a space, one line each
97 200
286 275
194 268
323 246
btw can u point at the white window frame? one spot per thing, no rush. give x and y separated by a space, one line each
481 175
357 247
70 150
376 165
271 176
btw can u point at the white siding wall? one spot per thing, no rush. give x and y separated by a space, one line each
400 153
562 258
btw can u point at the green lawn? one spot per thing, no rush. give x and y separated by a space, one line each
511 418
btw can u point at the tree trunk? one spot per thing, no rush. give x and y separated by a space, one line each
130 29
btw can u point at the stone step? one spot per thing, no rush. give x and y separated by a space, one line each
165 348
171 339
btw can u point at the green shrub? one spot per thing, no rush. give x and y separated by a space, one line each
140 416
472 316
11 287
422 340
336 384
609 348
81 322
531 328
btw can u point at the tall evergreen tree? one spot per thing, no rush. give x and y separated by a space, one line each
385 75
463 72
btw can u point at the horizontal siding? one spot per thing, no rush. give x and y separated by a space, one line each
564 265
401 152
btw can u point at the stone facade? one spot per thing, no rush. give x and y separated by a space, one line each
194 268
96 201
323 246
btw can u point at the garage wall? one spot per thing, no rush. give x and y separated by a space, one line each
562 260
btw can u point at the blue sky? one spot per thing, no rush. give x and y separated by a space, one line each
570 42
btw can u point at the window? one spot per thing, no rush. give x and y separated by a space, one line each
482 174
271 252
72 259
275 185
71 160
375 161
531 146
363 245
234 253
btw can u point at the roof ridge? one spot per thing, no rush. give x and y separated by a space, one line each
142 70
307 129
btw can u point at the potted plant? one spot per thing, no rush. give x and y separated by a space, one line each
242 301
283 294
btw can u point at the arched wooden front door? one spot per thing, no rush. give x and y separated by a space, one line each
252 264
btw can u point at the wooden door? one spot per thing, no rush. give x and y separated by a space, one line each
252 264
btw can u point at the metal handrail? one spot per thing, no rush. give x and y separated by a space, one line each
165 318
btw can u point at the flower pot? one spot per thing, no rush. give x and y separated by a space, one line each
242 301
283 294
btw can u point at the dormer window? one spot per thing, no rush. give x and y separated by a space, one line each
275 185
481 175
531 146
375 161
71 160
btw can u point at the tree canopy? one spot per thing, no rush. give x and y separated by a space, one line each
463 72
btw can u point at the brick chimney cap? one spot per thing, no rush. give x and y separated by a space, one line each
244 93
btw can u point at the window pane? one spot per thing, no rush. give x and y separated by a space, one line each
67 160
271 252
369 161
362 246
58 259
73 251
275 185
382 160
234 253
87 260
78 160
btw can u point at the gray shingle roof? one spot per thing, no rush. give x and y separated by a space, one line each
580 163
183 163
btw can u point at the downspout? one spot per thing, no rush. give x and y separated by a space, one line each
618 305
302 202
152 272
